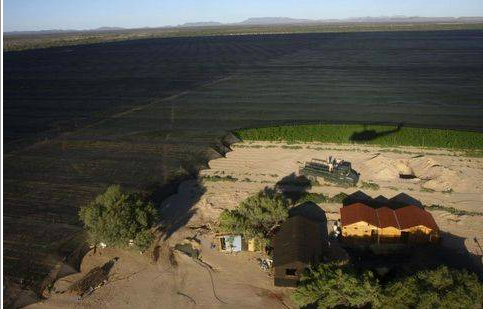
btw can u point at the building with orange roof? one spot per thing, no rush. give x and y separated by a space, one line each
408 224
360 221
416 225
389 230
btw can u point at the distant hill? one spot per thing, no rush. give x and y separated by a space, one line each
49 31
409 19
56 31
280 21
107 29
274 21
201 24
367 19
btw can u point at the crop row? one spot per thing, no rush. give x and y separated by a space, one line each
371 134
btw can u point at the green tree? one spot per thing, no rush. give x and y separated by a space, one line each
439 288
115 217
331 285
257 216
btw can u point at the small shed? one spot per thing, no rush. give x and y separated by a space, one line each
230 243
296 245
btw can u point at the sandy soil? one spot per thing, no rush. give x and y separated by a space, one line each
138 281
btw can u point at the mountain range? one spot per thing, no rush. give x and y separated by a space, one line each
285 21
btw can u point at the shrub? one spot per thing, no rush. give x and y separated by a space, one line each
291 147
454 211
338 198
313 197
115 217
369 185
257 216
321 198
220 178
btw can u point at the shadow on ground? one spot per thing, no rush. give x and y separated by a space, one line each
293 186
177 209
397 201
368 134
409 259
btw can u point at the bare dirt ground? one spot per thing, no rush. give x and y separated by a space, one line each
173 280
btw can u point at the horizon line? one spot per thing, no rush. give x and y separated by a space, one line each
241 23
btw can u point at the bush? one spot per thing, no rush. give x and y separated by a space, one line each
319 198
338 198
257 216
454 211
313 197
115 217
369 185
330 285
220 178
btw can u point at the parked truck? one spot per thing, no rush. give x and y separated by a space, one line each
332 170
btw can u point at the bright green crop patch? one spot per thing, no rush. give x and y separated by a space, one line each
371 134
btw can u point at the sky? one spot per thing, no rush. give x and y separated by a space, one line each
20 15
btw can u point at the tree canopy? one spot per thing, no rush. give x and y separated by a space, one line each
257 216
439 288
115 217
331 285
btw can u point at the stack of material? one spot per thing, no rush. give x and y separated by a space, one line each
94 279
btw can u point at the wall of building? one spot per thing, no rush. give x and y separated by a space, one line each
420 234
389 234
360 229
359 232
364 232
282 279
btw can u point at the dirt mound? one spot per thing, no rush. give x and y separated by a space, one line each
383 168
435 176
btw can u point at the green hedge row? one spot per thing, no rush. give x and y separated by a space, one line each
371 134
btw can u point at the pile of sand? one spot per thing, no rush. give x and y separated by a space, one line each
383 168
434 175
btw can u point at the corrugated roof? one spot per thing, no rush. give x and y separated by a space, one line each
402 218
387 217
358 212
411 216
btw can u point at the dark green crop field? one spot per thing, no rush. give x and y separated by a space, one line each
80 118
368 134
